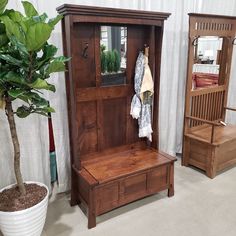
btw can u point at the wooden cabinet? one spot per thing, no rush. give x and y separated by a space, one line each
208 143
111 165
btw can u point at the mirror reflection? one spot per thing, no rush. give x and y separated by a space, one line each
113 48
207 61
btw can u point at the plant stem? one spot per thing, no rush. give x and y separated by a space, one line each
16 145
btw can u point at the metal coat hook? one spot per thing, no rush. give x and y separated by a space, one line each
195 41
234 41
85 54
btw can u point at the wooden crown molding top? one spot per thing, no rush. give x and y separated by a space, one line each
70 9
212 16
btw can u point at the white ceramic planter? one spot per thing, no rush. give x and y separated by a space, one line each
28 222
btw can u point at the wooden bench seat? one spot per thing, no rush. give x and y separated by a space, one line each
123 175
123 163
211 157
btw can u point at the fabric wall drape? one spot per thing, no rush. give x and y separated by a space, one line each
33 131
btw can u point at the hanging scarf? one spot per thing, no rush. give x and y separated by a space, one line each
142 100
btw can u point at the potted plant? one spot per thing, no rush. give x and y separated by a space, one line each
26 62
111 73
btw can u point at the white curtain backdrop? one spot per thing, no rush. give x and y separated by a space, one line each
33 132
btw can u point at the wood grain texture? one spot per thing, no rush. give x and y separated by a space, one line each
125 163
134 15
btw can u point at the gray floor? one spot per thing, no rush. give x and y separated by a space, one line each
200 207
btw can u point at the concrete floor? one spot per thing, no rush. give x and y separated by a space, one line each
200 207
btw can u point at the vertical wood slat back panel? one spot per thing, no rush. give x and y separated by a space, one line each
207 105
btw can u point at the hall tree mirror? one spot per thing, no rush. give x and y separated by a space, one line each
113 48
207 62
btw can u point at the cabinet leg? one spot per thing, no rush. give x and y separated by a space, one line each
74 189
91 219
171 191
186 152
211 163
171 178
211 172
91 210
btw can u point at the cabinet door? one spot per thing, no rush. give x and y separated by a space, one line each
158 179
107 197
133 187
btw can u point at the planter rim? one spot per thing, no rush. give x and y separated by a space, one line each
30 208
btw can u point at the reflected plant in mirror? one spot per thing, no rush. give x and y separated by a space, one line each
113 47
207 62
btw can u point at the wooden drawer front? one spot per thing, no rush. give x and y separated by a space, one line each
107 197
133 187
158 179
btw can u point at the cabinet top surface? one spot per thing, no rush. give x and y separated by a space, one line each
70 9
120 164
211 16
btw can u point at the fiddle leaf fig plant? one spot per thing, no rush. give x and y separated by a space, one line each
26 62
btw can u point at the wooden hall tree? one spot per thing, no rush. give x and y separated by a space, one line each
209 143
111 165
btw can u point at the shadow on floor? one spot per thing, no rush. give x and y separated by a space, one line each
131 206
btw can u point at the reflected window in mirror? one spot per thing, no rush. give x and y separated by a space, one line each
113 48
207 61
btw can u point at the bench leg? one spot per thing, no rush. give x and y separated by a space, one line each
74 189
171 178
91 210
186 152
211 163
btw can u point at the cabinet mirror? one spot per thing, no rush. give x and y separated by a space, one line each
207 62
113 48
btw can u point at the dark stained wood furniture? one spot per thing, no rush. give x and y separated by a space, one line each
111 166
208 144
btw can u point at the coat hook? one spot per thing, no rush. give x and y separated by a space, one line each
195 41
85 54
234 41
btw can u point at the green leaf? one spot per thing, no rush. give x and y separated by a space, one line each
15 93
14 78
16 16
20 46
3 40
13 28
29 9
35 19
3 4
23 111
52 22
36 99
2 28
49 52
37 35
46 109
62 59
41 18
10 59
55 66
42 84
